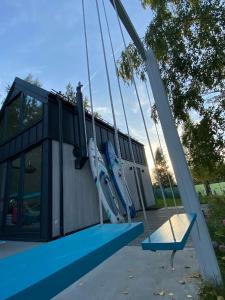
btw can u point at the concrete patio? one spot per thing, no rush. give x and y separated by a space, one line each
133 273
138 275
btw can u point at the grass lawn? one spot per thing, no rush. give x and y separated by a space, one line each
217 233
217 188
170 202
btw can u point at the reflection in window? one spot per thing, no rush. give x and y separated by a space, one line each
32 190
12 205
13 118
33 110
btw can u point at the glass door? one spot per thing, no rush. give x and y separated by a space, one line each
12 201
22 205
31 196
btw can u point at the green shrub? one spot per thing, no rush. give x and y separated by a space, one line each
216 227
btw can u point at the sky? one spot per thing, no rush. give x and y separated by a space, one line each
46 38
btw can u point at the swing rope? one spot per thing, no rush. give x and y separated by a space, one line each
144 122
160 146
92 111
124 113
112 105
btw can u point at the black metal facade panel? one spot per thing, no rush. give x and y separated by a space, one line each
68 126
22 142
89 129
26 137
45 229
32 90
48 127
99 138
53 122
104 134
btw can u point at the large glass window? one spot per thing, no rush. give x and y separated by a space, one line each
32 113
13 118
33 110
32 190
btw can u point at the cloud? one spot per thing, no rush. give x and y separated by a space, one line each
103 110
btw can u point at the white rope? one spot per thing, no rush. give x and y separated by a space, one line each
143 119
124 113
112 106
92 113
161 148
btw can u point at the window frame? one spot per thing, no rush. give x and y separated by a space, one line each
18 229
22 96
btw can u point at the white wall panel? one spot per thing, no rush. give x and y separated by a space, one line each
80 194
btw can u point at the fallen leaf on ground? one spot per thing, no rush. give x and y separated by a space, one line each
194 275
80 283
162 293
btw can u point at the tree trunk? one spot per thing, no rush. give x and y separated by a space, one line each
207 188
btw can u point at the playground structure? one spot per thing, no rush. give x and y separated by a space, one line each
200 236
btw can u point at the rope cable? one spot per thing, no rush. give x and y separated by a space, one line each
161 148
112 105
124 113
143 119
92 111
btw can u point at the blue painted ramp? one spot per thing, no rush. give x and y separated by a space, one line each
172 235
46 270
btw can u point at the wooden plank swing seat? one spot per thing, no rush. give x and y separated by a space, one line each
172 235
46 270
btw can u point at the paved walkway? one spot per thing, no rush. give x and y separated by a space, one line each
13 247
133 274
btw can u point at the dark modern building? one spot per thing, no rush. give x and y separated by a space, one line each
46 186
